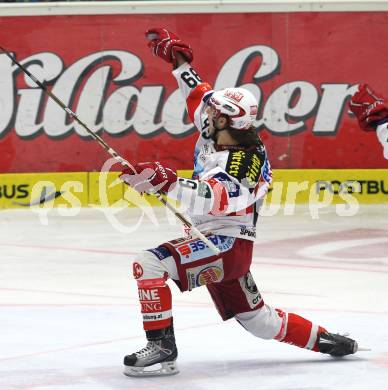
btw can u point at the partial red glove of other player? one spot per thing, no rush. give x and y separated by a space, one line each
165 44
149 177
368 107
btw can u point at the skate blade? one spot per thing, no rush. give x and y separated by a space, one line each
159 369
364 349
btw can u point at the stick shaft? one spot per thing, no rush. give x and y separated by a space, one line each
193 229
111 151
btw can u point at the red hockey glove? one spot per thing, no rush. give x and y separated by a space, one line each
368 107
165 44
149 177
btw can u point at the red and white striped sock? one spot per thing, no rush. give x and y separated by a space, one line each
156 303
298 331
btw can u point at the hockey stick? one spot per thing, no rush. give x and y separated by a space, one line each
112 152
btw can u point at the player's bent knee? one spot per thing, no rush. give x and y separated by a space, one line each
147 266
264 322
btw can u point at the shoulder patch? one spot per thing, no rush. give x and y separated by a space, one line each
245 165
161 252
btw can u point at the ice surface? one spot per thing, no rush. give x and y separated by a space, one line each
69 310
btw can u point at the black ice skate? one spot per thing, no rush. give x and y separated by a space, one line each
336 345
158 358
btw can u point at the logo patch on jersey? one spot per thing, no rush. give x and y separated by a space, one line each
196 249
161 252
232 188
200 156
245 165
250 284
250 289
207 273
204 190
137 270
235 163
267 172
253 170
250 232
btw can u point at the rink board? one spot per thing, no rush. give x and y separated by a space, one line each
129 97
82 189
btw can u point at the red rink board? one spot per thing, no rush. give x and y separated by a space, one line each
301 64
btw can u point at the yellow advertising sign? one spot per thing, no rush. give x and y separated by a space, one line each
367 186
66 190
292 186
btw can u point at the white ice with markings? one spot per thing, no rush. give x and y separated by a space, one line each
69 310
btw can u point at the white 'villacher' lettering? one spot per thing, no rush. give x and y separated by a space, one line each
102 89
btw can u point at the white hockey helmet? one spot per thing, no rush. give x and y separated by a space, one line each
238 104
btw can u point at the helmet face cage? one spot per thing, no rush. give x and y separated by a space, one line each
238 104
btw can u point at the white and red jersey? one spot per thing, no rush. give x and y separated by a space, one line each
228 183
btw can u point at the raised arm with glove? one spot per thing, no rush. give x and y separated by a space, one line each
371 112
166 45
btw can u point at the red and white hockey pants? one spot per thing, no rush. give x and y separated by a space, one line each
190 263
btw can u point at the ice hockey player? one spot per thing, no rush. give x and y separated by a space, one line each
372 113
231 173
